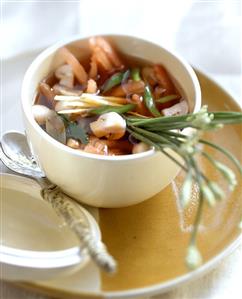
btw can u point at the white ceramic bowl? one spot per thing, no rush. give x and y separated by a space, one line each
99 180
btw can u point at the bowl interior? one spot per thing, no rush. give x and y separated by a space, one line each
181 73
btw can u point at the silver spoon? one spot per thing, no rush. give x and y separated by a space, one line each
16 155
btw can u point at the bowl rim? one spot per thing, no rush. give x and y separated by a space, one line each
52 49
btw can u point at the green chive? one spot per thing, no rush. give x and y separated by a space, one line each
117 109
135 74
149 102
167 98
114 80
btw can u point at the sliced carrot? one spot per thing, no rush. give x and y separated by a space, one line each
78 69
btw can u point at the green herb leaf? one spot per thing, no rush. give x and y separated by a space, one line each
167 98
117 109
76 132
135 74
114 80
149 102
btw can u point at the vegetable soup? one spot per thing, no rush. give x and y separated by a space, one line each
85 104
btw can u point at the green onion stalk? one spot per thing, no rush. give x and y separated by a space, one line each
167 132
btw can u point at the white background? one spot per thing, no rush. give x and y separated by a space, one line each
206 33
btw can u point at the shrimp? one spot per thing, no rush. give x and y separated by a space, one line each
102 59
96 146
107 48
78 69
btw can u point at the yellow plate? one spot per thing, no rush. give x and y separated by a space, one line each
149 240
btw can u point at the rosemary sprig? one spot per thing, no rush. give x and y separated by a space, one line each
166 133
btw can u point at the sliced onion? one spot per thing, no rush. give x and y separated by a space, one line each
177 109
55 127
65 74
66 91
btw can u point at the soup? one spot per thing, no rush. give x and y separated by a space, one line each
84 104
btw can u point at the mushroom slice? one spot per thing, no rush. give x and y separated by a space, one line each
110 125
177 109
65 74
40 113
55 127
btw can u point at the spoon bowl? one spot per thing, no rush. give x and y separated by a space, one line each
15 146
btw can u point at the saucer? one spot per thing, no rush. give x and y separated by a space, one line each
149 240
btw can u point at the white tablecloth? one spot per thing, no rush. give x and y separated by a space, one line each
206 33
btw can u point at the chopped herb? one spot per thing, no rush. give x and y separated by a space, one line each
117 109
149 102
65 119
77 132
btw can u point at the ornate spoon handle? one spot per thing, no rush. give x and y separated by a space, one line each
78 222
